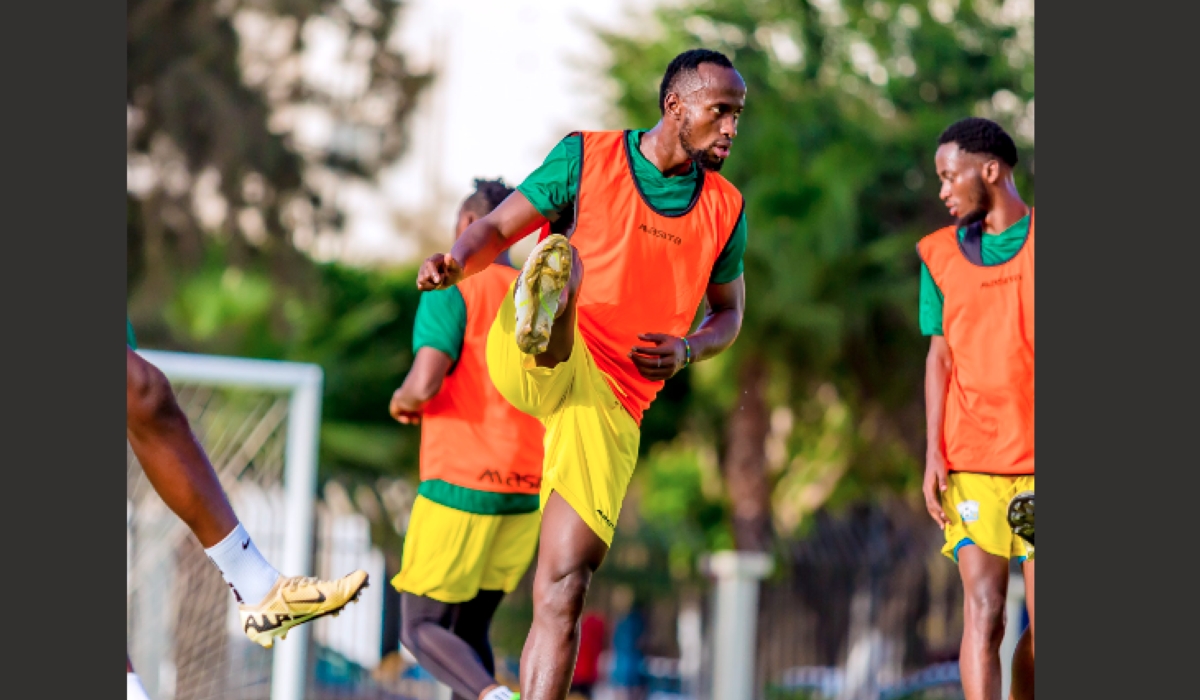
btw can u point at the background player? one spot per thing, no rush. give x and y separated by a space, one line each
474 525
976 304
177 468
658 231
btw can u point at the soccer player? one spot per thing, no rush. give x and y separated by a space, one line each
474 525
179 471
976 304
594 326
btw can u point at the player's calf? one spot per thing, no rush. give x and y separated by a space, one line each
548 659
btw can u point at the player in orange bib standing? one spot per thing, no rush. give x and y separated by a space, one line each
977 307
596 324
474 525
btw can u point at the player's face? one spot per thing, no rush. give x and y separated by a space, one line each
710 115
963 190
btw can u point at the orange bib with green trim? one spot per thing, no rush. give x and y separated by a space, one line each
987 319
644 271
470 435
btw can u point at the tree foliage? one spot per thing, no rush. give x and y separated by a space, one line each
820 399
246 120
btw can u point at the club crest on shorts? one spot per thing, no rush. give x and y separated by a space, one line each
968 511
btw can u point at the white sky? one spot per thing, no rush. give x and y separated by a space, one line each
541 51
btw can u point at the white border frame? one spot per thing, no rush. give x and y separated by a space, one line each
304 382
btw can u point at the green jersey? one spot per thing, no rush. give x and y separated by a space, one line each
441 322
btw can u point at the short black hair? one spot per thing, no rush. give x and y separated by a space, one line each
684 63
487 196
978 135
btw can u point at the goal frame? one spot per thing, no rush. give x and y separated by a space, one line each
303 382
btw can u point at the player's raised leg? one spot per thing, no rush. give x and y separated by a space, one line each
181 474
546 294
173 461
569 552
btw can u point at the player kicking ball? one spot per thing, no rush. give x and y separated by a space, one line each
269 604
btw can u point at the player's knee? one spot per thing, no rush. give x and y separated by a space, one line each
416 612
408 635
985 612
559 599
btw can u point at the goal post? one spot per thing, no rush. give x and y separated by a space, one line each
302 384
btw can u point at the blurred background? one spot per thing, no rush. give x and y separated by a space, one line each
290 163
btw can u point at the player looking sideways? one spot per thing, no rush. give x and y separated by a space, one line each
596 323
976 304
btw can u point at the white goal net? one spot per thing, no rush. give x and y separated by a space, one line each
258 421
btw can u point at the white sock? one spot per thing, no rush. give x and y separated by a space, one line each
133 687
500 693
243 566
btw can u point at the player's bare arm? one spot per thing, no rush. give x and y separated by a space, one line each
422 383
938 364
720 327
480 243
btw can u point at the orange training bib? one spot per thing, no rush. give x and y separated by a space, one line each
470 435
988 323
644 271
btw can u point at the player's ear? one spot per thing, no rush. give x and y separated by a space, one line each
673 106
991 171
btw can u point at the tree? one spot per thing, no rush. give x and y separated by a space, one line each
835 159
218 92
227 192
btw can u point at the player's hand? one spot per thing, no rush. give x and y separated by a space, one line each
439 271
934 487
660 361
401 415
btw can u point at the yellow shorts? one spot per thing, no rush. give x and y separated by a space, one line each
977 507
449 554
591 441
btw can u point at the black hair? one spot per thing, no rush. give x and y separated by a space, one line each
978 135
686 63
487 196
